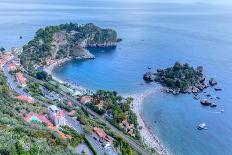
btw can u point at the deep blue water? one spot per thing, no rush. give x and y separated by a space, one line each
156 35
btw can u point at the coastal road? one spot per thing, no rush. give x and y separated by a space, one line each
135 144
10 79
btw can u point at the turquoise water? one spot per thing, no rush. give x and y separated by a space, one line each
155 35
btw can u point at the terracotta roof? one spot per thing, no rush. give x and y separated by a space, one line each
43 118
100 132
21 79
85 99
25 99
12 66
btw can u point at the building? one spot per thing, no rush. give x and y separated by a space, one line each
85 99
34 117
56 115
21 79
25 99
102 135
12 67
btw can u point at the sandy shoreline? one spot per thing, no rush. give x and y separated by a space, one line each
148 136
50 67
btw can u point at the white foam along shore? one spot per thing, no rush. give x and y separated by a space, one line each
148 136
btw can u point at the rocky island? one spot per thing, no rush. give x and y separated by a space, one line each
54 43
181 78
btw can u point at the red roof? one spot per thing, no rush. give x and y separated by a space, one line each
70 103
100 132
25 99
21 79
43 118
12 66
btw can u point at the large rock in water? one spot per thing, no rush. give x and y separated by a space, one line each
206 102
149 77
195 89
212 82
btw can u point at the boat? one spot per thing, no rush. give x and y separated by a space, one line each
202 126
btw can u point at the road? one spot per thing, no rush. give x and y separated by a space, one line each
10 79
68 120
128 139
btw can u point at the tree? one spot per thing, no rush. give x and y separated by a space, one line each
2 49
4 90
42 75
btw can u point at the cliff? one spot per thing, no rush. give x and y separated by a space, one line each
65 40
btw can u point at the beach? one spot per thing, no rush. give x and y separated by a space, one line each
49 68
149 138
147 135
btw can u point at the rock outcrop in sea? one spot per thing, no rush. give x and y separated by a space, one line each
181 78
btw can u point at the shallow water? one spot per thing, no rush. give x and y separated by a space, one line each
155 35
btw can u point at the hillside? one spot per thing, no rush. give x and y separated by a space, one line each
65 40
19 137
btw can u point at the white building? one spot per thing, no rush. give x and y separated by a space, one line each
56 115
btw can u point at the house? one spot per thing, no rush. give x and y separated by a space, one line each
56 115
21 79
25 99
128 128
69 103
34 117
85 99
12 67
102 135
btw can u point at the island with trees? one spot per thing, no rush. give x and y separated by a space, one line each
181 78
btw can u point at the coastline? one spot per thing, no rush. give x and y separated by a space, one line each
49 68
148 136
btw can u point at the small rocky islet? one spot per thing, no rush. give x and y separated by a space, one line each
183 78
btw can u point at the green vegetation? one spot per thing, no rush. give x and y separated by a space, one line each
90 146
181 77
34 89
56 42
90 122
75 137
2 49
116 109
42 75
20 138
124 147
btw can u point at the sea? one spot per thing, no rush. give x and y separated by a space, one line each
154 34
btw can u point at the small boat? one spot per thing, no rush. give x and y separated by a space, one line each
222 110
202 126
